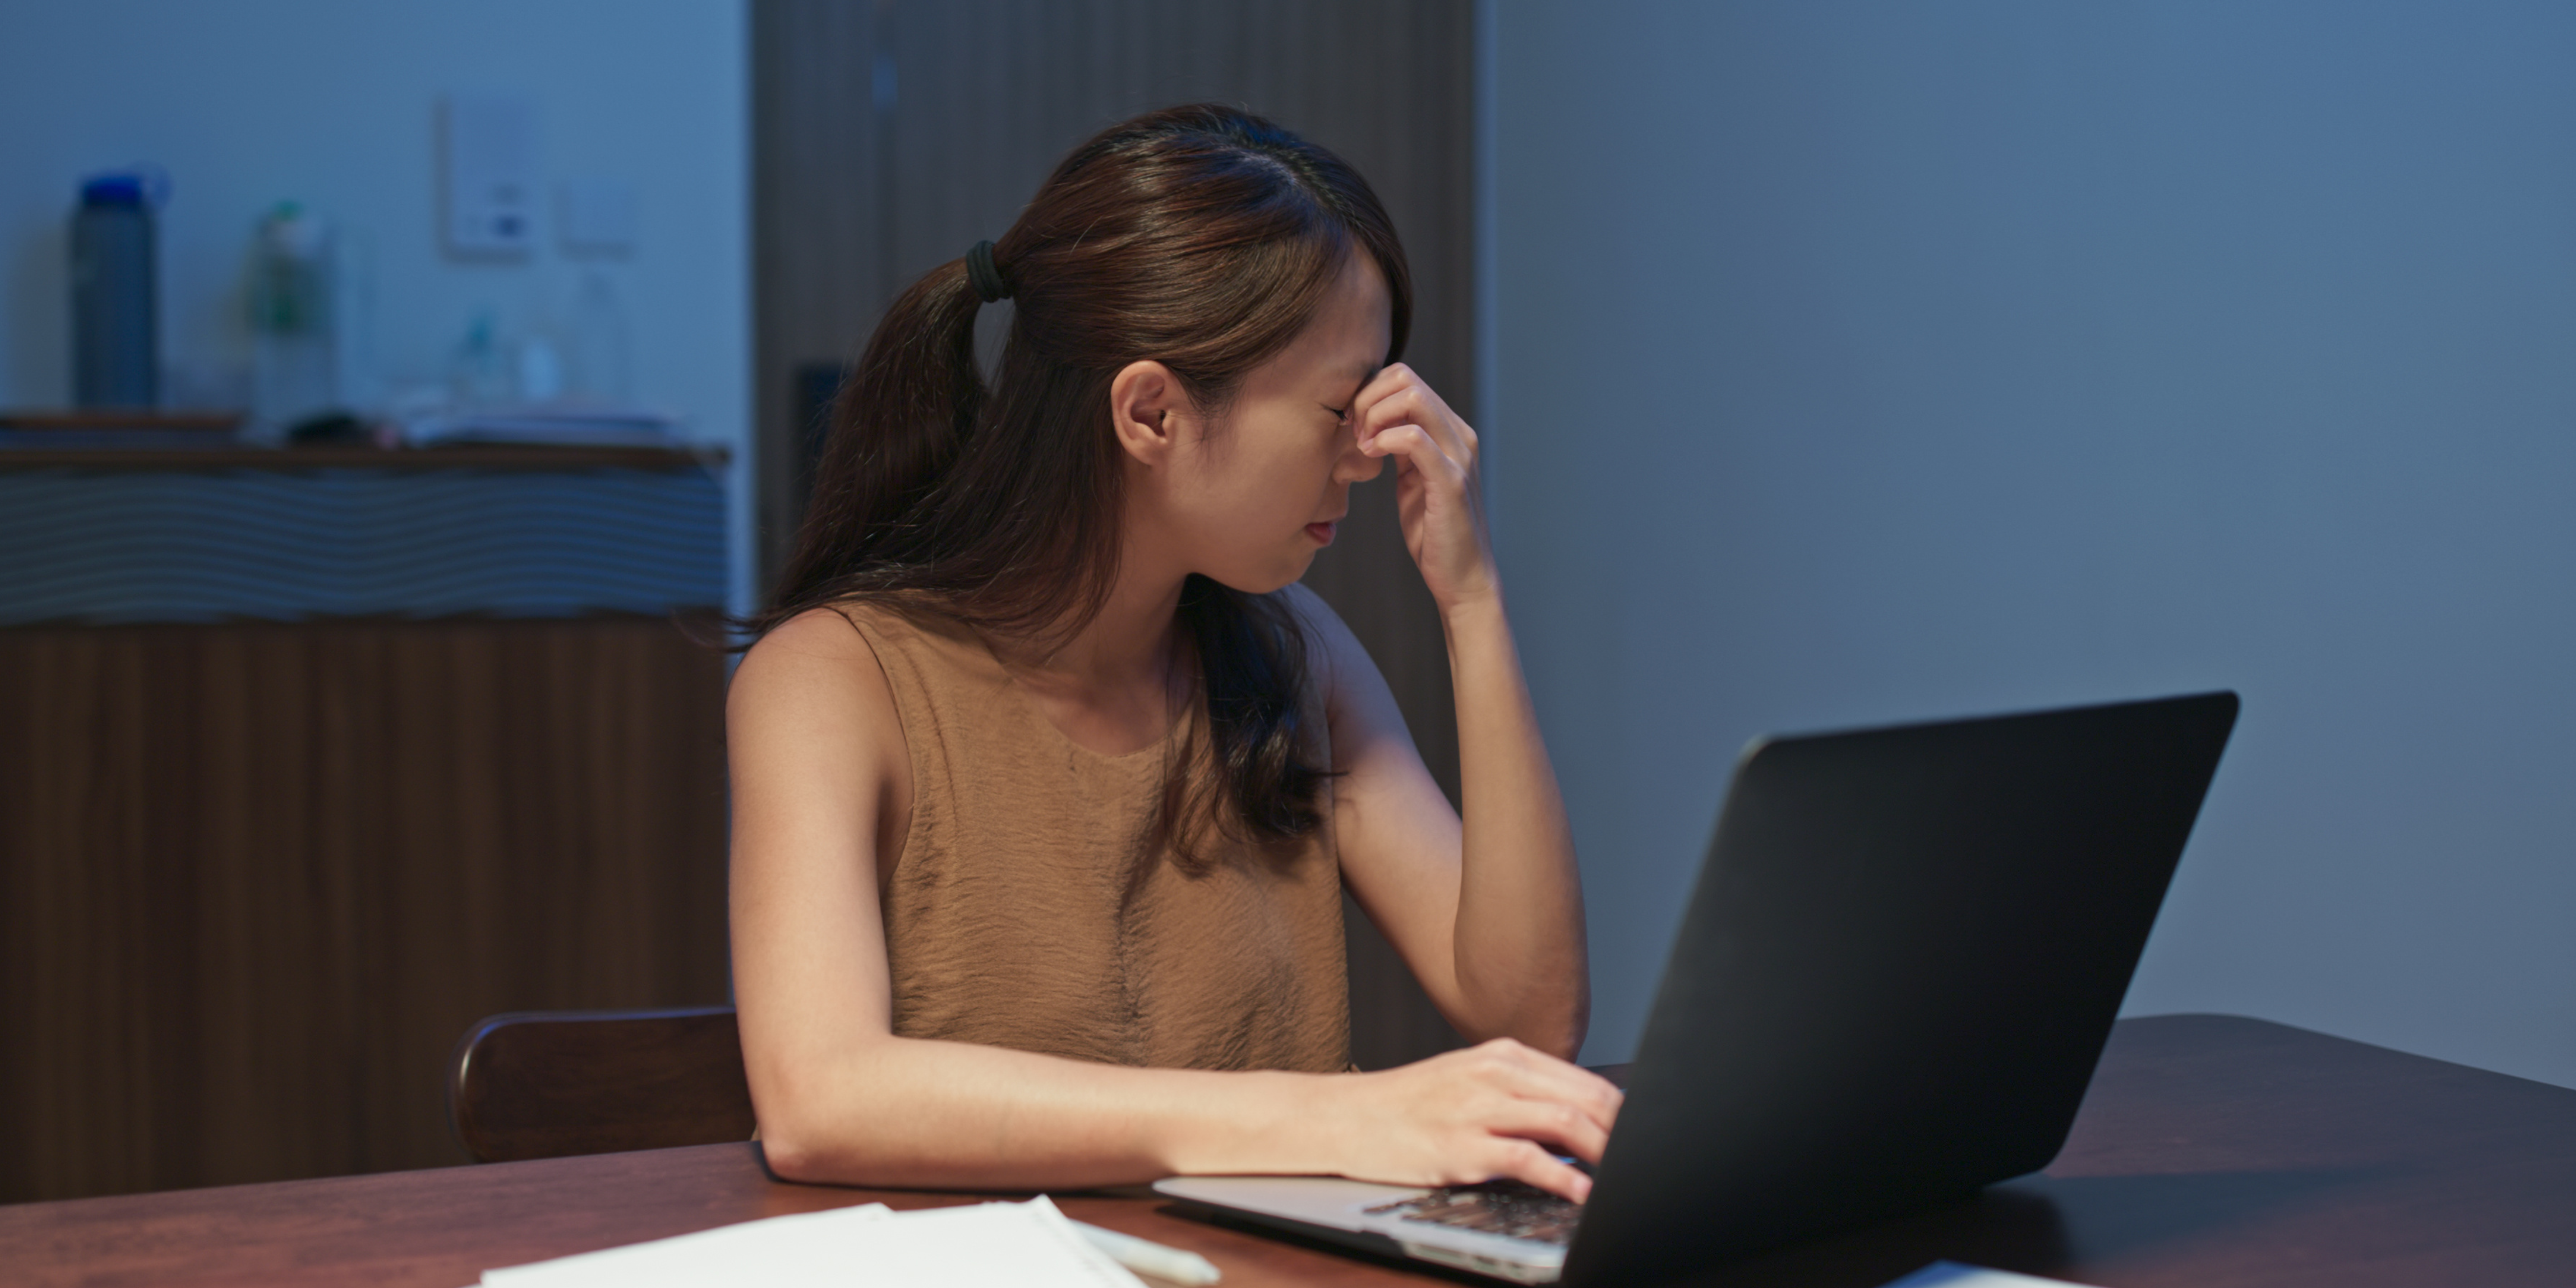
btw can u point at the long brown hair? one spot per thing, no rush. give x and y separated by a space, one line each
1201 237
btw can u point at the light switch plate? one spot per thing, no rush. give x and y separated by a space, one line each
488 156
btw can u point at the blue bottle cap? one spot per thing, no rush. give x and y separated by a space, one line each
112 190
142 186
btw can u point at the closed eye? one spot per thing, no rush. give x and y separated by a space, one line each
1339 413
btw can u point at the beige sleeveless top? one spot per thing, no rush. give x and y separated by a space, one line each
1023 910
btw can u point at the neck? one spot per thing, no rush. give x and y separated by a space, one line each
1127 643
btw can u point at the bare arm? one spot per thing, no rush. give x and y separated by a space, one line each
819 773
1488 910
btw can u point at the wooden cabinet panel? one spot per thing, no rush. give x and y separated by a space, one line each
256 879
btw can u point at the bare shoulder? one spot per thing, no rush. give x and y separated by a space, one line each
815 667
816 643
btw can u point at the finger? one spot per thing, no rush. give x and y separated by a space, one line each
1522 1161
1396 377
1536 1075
1414 445
1396 407
1382 404
1398 386
1554 1122
1389 379
1417 405
1530 1060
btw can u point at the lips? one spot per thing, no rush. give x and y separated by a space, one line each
1322 532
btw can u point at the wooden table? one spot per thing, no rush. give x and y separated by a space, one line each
2212 1152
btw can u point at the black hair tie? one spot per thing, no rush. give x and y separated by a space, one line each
983 276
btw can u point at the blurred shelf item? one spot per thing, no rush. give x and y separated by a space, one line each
346 456
548 425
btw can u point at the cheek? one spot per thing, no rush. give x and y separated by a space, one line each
1249 509
1248 503
1264 480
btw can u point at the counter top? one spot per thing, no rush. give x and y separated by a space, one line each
360 457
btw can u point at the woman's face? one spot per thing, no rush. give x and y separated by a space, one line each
1248 501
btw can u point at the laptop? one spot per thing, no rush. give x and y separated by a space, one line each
1896 971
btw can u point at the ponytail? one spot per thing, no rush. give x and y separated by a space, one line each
898 423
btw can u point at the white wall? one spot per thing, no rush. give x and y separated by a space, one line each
334 105
1869 361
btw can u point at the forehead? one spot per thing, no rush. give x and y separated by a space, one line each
1347 338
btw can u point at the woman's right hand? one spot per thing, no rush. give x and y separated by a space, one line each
1494 1111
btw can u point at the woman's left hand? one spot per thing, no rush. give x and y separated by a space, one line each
1436 495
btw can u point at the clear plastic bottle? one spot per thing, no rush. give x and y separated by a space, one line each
478 373
293 295
601 369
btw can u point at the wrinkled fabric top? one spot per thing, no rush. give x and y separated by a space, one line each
1024 909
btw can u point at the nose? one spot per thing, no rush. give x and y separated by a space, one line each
1356 466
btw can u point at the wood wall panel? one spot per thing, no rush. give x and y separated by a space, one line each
256 880
819 248
970 103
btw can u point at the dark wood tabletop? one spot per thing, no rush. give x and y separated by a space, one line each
2212 1151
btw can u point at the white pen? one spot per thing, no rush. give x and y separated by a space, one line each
1144 1256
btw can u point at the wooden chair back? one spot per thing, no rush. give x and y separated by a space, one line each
548 1084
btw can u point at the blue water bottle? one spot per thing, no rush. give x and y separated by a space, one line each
116 350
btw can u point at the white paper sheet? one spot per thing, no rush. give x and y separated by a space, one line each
1951 1274
986 1245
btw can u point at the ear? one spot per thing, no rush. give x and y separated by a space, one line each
1149 411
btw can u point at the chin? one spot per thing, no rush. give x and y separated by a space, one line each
1261 581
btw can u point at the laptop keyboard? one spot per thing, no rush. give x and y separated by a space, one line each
1495 1207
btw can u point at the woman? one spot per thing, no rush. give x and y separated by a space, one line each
1047 778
